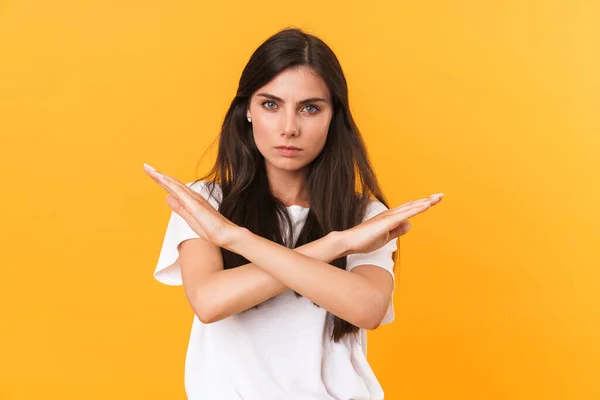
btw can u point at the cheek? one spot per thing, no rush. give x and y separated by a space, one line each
262 135
316 132
265 125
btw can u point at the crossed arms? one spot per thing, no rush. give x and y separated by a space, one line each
360 296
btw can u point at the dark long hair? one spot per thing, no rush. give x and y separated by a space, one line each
340 181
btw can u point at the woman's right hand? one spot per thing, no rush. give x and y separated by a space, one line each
385 226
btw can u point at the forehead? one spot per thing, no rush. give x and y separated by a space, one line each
296 83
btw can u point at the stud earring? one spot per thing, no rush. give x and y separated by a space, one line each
249 119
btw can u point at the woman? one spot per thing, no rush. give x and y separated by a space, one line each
285 257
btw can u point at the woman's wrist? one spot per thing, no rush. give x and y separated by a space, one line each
338 239
237 236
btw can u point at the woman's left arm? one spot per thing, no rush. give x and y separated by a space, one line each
360 296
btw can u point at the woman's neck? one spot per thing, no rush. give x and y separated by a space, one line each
289 187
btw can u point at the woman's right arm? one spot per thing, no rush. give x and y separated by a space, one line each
215 293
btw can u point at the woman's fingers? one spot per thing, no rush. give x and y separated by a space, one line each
183 187
154 178
157 176
153 174
399 216
176 206
200 215
178 190
411 205
396 220
412 211
432 200
400 230
190 205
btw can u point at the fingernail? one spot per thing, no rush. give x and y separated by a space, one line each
437 195
152 170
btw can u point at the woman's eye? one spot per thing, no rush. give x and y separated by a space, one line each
270 105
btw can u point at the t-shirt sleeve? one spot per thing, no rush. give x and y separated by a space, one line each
168 269
381 257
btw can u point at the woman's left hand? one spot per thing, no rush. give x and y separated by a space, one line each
200 215
374 233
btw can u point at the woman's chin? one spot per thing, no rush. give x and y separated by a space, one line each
288 165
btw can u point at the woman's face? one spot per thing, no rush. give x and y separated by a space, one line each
293 109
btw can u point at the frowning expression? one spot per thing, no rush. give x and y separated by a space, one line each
293 110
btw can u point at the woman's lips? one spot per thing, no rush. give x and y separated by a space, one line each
288 151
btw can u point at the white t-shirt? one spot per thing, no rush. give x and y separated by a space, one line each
280 350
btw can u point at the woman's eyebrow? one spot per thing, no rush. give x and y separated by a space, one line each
310 100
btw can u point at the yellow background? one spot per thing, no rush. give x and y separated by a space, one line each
493 103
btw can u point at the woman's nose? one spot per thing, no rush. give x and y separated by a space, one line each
290 124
